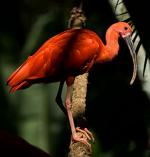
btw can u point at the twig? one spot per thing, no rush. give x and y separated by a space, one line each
78 149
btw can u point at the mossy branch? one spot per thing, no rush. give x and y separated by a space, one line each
78 149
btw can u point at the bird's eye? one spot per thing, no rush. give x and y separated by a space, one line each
125 28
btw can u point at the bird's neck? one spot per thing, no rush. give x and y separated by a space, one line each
110 50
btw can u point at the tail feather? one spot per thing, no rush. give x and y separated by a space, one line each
14 73
29 72
22 85
18 77
22 78
12 76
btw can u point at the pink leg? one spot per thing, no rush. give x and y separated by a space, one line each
75 135
68 107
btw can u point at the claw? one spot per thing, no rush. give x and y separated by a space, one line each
83 136
87 133
90 134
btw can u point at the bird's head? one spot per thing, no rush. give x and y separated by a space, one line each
124 30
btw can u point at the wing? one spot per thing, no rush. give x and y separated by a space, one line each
83 52
69 53
41 64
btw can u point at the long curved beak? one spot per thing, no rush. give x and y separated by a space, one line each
133 55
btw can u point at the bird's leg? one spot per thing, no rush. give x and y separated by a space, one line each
75 131
59 99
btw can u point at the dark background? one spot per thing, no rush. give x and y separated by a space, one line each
117 113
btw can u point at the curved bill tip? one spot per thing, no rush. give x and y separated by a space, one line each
133 55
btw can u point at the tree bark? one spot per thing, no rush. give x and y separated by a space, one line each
78 149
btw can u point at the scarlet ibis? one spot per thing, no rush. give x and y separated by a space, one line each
69 54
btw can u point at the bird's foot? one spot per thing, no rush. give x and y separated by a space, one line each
87 133
83 136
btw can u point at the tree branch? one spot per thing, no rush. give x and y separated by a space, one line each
78 149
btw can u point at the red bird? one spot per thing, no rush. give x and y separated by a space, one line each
67 55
